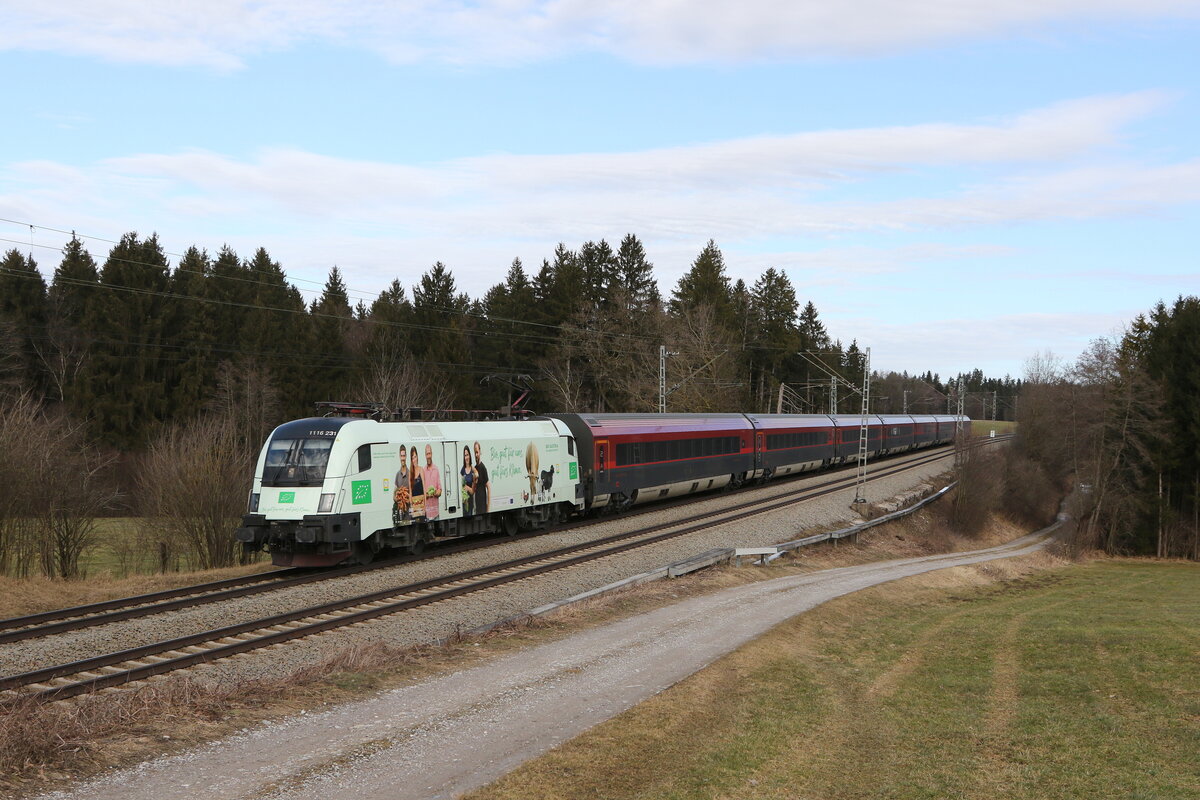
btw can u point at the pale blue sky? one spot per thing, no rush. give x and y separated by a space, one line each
957 185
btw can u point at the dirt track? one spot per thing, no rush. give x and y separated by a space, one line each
450 734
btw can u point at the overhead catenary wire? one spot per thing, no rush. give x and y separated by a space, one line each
624 338
359 293
533 338
649 340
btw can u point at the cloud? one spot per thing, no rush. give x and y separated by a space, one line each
768 201
673 32
757 186
221 34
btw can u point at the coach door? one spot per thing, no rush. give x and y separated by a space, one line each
601 464
758 451
452 460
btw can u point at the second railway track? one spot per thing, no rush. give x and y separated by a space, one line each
49 623
114 669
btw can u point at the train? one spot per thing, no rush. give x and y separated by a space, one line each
342 487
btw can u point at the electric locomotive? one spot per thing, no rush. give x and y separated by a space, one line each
337 488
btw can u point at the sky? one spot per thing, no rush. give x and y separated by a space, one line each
956 185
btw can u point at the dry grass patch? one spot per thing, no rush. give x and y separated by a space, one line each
41 746
1022 682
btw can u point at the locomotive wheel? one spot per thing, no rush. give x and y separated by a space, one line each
417 547
508 525
364 553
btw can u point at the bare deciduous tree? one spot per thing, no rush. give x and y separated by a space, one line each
563 377
704 372
192 485
247 397
63 353
396 380
55 485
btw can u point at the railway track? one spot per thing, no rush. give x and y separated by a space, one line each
114 669
50 623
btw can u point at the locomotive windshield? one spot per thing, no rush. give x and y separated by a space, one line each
296 462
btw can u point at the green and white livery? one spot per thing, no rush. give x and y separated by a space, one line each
332 489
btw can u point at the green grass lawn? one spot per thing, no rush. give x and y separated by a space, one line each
1081 682
121 550
983 427
101 558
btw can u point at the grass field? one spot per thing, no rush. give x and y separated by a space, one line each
119 563
983 427
1076 682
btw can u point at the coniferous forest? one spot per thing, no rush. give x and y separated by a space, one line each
133 343
138 377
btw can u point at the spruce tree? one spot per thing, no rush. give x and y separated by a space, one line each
705 284
191 333
598 266
75 280
276 331
559 288
389 317
439 339
22 321
228 288
330 362
637 275
813 335
776 338
124 379
67 347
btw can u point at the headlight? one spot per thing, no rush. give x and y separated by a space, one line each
252 506
326 504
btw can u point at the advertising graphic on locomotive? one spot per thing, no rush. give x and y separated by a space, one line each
338 489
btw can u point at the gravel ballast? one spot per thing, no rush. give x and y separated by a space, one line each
444 619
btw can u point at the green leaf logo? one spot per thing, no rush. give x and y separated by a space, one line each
573 471
360 492
287 497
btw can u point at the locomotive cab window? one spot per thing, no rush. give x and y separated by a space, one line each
364 458
297 462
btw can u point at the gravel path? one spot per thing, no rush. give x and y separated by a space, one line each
443 619
451 734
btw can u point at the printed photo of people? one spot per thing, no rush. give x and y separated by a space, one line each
431 483
482 488
416 486
469 479
402 496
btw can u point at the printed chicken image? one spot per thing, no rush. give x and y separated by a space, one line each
532 462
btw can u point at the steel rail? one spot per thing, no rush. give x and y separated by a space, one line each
49 623
231 640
